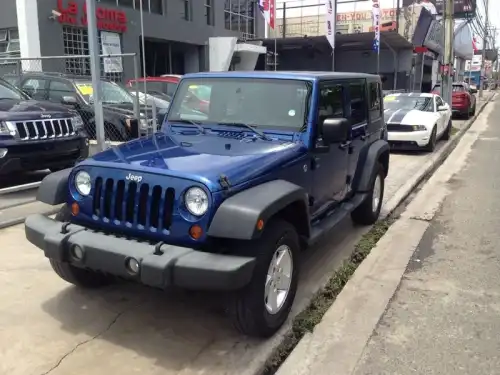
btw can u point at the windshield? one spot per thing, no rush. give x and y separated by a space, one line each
10 92
111 92
257 102
407 102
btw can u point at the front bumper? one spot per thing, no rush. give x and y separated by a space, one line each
414 139
28 156
172 266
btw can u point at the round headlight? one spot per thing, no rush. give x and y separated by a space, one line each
196 201
83 183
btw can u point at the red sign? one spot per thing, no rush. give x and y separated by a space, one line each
107 19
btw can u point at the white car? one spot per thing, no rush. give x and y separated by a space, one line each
416 120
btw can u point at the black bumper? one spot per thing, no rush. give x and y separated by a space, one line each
29 156
175 266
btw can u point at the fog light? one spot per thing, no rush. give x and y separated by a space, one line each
77 252
3 152
133 266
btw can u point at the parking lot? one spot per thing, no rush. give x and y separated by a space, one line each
51 327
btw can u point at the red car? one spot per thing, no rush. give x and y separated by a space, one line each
164 87
463 99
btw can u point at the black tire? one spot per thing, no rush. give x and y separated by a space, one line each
474 110
368 212
431 146
247 307
77 276
447 133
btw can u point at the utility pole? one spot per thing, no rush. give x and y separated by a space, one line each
485 36
95 70
447 76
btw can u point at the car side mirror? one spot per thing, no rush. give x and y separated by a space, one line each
69 100
443 108
335 130
473 91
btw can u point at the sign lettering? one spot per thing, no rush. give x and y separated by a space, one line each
107 19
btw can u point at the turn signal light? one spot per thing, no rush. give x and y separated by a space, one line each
75 209
196 232
260 224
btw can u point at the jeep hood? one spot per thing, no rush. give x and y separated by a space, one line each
19 109
202 158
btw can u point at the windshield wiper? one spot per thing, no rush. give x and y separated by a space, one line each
249 127
191 122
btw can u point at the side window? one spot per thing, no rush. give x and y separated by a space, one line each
439 102
35 88
330 103
374 90
58 90
358 103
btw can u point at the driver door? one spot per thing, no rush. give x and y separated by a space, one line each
329 162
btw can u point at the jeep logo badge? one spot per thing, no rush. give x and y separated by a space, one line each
133 177
45 116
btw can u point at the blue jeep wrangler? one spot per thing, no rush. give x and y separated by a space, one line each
227 200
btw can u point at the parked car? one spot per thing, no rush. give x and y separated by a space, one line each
37 135
161 104
463 99
164 87
77 92
226 200
416 120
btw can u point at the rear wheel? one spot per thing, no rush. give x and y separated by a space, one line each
262 307
80 277
367 213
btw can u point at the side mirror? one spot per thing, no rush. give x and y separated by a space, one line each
69 100
473 91
335 130
443 108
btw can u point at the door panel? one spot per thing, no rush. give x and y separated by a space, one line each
329 161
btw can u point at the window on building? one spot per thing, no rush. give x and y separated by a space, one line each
239 16
76 43
187 10
9 43
209 12
151 6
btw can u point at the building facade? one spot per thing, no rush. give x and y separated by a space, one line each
176 33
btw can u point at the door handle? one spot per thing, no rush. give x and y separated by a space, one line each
344 145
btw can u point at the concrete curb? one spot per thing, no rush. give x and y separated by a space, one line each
328 349
20 220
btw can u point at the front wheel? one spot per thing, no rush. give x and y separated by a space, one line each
447 133
367 213
262 307
431 146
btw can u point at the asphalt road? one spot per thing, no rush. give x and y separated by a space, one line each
48 326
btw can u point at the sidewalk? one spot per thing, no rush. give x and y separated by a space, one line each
427 298
445 317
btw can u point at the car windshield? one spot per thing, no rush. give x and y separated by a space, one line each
10 92
407 102
274 103
111 92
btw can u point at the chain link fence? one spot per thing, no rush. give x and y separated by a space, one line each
67 80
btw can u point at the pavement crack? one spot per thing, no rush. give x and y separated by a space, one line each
66 355
420 218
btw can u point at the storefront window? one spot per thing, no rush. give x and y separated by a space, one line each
9 43
240 16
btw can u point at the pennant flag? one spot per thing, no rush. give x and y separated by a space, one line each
268 10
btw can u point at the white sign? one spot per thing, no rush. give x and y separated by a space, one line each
111 45
330 22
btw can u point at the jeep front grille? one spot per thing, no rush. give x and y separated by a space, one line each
144 206
45 129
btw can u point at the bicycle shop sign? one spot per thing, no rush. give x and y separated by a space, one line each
107 18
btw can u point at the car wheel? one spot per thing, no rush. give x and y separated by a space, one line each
474 110
431 146
77 276
368 212
447 133
262 307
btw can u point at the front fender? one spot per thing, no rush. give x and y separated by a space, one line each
54 188
237 216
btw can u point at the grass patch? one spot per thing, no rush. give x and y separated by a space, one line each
305 321
454 130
